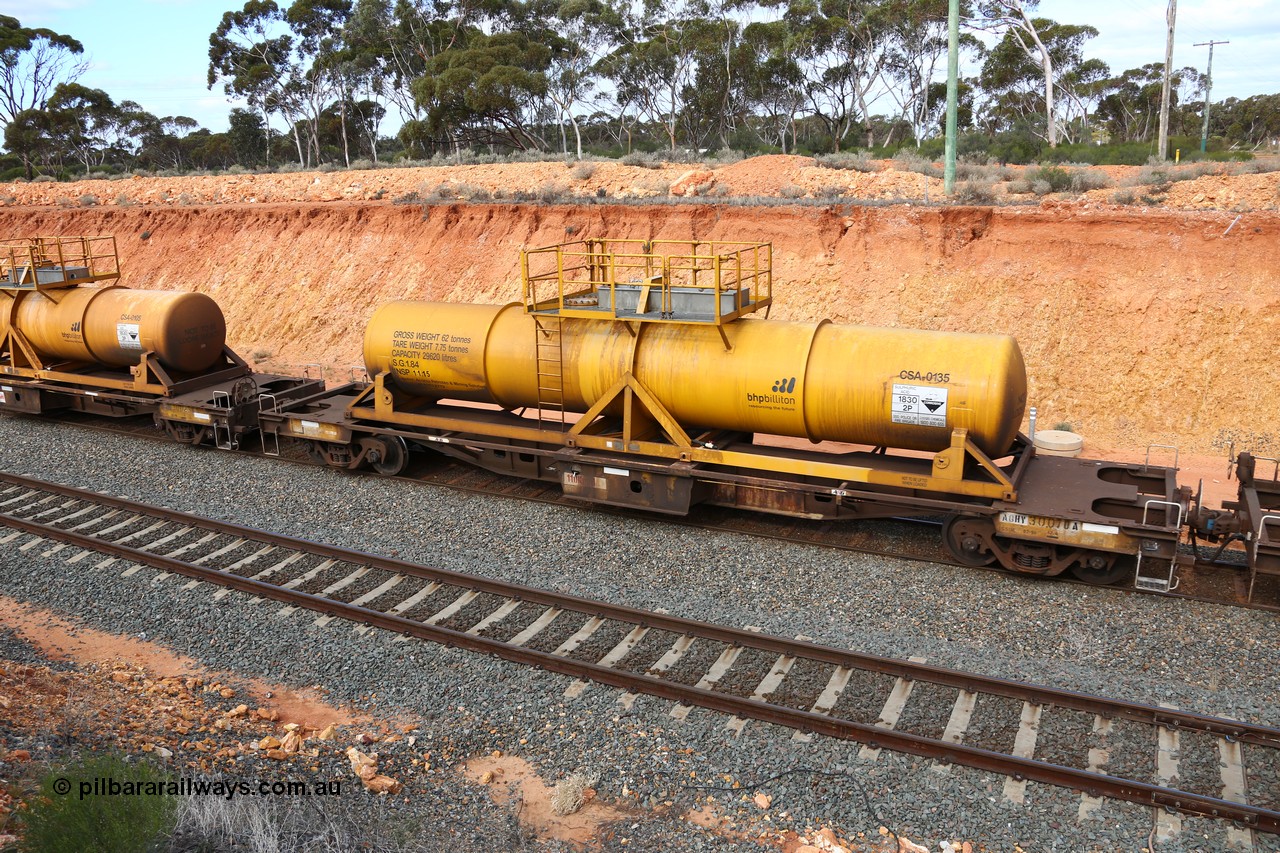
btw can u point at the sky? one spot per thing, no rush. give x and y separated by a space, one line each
156 52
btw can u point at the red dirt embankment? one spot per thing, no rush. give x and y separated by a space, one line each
1138 326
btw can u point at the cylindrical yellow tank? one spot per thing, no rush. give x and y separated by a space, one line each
899 388
116 325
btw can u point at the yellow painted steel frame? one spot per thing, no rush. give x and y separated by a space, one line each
643 414
20 258
149 376
593 265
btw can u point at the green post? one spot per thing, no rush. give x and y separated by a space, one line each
953 96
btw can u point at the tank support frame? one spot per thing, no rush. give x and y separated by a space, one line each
648 430
148 376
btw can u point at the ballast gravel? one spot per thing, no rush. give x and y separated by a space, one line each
1202 657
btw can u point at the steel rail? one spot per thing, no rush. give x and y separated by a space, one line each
1041 695
1020 768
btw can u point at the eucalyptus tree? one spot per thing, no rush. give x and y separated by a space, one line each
655 64
249 53
587 30
33 63
319 68
772 81
843 46
916 65
1129 108
486 87
1028 43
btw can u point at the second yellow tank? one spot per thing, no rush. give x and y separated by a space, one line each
879 386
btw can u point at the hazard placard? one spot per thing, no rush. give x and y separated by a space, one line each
919 405
127 336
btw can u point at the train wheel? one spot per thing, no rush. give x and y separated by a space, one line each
1101 568
387 454
967 538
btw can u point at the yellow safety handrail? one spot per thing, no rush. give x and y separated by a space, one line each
39 262
564 278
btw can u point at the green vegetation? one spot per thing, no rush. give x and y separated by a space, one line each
59 819
571 79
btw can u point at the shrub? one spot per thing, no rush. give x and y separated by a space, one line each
858 161
909 161
286 168
237 169
123 200
1057 178
1019 186
975 192
1040 187
186 199
361 165
43 179
1083 180
88 200
64 201
1123 197
59 821
643 159
1259 167
552 191
582 171
791 191
729 155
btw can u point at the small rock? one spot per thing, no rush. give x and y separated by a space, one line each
269 742
762 800
382 785
292 742
328 733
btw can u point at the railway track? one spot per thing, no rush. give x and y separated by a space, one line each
1217 581
1021 731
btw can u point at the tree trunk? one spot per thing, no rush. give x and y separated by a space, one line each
1046 63
577 134
342 117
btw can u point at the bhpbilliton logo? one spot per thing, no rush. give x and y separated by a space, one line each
781 394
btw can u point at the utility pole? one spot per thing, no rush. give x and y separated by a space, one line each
1208 84
1164 89
953 97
